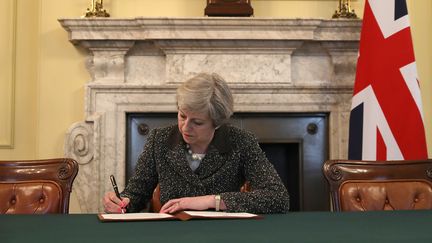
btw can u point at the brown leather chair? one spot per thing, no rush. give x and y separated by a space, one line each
155 204
379 185
36 186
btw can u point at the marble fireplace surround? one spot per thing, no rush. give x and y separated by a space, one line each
272 65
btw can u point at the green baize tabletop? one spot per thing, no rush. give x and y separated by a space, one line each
378 226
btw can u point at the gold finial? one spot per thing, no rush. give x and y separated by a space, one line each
96 10
345 10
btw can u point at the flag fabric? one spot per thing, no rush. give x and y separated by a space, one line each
386 121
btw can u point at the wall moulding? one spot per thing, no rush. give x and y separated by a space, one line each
8 18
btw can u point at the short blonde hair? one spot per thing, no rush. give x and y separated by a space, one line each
207 93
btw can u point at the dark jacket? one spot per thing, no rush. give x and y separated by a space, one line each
233 157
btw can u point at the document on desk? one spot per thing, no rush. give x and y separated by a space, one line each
212 214
183 215
135 216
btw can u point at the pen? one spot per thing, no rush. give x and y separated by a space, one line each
114 184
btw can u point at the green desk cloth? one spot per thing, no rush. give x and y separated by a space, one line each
379 226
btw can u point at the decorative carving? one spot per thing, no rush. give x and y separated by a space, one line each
345 10
429 172
108 59
96 10
79 143
65 171
336 173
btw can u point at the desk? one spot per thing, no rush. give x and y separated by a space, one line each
369 227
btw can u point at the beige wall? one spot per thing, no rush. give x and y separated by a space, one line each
421 25
7 72
18 79
50 71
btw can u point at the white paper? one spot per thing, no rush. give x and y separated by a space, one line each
213 214
136 216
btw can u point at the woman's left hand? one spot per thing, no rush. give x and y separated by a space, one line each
192 203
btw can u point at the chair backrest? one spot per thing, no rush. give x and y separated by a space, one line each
379 185
155 204
36 186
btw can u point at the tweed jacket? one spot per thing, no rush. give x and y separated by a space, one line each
233 157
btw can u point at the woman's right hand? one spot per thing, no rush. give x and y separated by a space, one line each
113 204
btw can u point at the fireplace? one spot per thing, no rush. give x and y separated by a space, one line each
295 143
275 67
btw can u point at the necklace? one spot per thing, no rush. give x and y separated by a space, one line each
195 156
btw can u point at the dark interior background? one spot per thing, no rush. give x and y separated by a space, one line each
296 144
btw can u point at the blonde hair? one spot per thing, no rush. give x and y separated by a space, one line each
207 93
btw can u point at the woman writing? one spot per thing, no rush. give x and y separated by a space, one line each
202 162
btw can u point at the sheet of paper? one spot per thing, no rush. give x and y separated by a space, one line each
212 214
136 216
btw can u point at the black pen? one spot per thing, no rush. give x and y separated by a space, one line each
114 184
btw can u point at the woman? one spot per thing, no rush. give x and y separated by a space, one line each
201 163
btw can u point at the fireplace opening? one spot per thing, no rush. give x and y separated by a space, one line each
295 143
285 159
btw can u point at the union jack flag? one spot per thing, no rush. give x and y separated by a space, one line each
386 121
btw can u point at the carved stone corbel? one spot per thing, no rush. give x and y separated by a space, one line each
108 60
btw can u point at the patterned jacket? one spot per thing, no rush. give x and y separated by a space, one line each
233 157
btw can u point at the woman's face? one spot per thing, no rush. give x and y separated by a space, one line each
196 128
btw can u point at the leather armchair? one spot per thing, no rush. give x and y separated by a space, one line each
379 185
36 186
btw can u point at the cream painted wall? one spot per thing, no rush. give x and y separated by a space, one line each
50 71
8 16
421 26
25 63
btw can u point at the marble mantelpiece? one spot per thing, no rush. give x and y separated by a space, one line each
272 65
